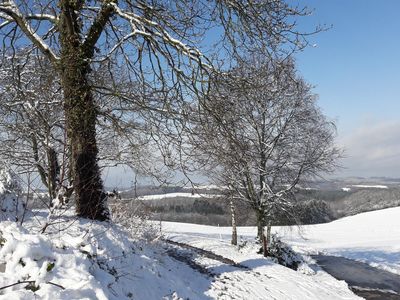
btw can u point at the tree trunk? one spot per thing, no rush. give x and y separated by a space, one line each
264 244
260 232
50 177
234 229
54 172
81 115
260 225
268 239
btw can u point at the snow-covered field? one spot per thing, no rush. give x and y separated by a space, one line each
97 260
81 259
370 186
266 280
372 237
176 195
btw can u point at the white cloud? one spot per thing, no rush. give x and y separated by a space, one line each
373 149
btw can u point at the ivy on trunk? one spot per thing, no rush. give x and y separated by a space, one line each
81 113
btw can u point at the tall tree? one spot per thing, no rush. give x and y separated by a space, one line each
261 133
157 40
33 126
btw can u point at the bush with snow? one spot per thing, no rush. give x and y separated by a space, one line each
40 266
135 220
88 260
283 253
11 203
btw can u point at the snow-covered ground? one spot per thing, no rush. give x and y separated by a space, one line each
365 186
206 187
267 280
176 195
81 259
372 237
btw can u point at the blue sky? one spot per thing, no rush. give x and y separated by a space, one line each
355 67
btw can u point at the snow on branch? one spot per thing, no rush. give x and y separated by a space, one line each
140 26
9 11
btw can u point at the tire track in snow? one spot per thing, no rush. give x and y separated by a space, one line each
229 280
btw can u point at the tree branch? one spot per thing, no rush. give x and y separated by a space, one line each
11 10
30 281
97 28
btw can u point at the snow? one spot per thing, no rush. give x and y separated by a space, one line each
96 260
372 237
29 256
370 186
207 187
77 258
266 280
11 205
346 189
176 195
90 260
82 259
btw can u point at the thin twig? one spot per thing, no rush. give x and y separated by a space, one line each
30 281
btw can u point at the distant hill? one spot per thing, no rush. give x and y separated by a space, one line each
317 202
339 183
367 199
161 190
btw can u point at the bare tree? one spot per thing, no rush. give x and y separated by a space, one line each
32 125
157 40
125 126
261 133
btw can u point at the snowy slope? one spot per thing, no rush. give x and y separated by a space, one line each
89 260
266 280
81 259
60 256
372 237
176 195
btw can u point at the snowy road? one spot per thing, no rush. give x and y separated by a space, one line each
247 280
366 281
372 237
244 274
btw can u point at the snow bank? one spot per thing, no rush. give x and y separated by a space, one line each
369 186
50 269
89 260
175 195
372 237
11 204
265 279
